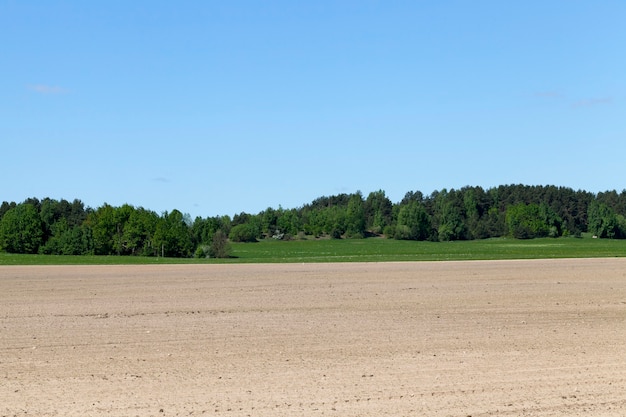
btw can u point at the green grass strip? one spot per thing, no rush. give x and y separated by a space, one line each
363 250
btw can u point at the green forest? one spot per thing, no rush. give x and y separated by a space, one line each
62 227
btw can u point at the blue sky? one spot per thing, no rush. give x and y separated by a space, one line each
215 108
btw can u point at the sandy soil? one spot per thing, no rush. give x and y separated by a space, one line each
499 338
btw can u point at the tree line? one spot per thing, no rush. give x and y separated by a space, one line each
51 226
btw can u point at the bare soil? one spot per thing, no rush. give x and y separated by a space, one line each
497 338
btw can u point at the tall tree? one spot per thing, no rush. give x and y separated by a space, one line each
527 221
21 229
355 217
413 222
451 226
138 232
378 211
288 222
172 237
102 223
335 221
603 222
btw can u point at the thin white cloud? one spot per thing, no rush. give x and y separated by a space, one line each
592 102
47 89
160 179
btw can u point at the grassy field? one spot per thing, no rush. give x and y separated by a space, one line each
364 250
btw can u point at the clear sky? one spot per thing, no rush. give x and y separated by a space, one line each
222 107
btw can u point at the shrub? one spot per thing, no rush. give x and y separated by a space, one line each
242 233
202 251
220 248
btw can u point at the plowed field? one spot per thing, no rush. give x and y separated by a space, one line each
496 338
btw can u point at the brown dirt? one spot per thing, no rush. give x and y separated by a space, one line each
498 338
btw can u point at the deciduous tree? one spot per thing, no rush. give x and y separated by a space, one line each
21 229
